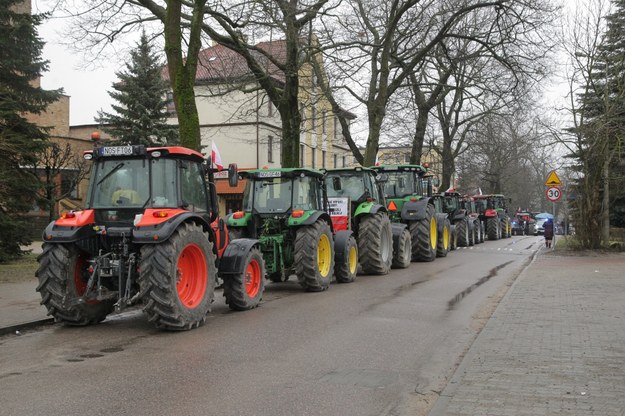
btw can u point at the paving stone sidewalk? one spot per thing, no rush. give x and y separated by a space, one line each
554 346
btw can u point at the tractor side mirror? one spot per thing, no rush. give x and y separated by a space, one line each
382 178
233 175
336 183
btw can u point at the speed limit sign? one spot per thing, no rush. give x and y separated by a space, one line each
553 193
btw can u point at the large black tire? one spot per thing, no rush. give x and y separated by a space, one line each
462 230
314 256
403 255
244 291
444 239
345 271
493 229
505 228
477 232
375 244
177 279
482 231
453 238
63 277
424 236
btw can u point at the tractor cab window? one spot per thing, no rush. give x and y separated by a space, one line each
352 187
193 187
481 205
399 185
271 195
450 204
164 183
305 194
120 184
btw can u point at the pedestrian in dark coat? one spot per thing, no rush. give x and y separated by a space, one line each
548 227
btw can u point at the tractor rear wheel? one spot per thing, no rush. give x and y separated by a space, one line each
345 272
424 236
177 279
375 243
493 229
244 291
477 232
403 255
63 275
444 239
505 228
462 229
314 256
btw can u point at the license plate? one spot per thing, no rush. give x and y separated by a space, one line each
270 174
116 151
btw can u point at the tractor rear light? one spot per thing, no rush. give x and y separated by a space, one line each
369 199
66 215
298 213
413 199
238 215
160 214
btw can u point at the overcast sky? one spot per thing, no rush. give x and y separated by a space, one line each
87 88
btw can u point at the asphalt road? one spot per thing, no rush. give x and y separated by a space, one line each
383 345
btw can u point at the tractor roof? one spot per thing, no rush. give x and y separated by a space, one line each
140 150
281 173
488 196
353 169
395 168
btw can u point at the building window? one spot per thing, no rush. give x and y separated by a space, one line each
324 155
336 127
314 120
344 161
407 158
314 158
323 122
270 149
336 161
269 108
170 105
302 156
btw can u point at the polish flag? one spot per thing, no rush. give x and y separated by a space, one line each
216 157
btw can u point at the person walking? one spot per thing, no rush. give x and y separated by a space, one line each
548 227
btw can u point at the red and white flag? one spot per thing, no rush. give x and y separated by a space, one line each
216 157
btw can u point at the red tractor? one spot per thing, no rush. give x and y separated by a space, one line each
145 236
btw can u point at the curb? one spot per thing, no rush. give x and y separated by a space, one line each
26 325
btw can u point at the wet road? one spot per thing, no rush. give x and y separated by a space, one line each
383 345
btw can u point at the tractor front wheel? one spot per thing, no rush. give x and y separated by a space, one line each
444 239
493 229
403 254
345 271
63 275
462 229
177 279
424 235
314 256
375 243
244 291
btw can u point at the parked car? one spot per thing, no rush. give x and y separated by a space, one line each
540 221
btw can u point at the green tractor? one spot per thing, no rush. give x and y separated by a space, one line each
408 192
466 228
285 212
494 214
381 245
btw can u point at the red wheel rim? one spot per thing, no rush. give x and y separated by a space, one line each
79 283
192 277
252 278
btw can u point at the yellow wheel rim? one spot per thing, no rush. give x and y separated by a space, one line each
353 259
433 233
446 238
324 255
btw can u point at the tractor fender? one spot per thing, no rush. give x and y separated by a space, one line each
340 246
314 217
55 233
397 228
161 232
369 208
414 210
459 215
440 221
233 259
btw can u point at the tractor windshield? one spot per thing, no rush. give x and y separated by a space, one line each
125 183
281 194
400 184
357 186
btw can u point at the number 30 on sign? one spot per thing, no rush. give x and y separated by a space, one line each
553 194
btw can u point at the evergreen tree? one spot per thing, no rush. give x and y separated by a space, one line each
141 113
21 66
602 132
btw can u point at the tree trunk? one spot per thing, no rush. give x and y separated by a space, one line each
605 212
291 120
417 141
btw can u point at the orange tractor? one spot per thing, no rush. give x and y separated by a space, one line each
150 234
